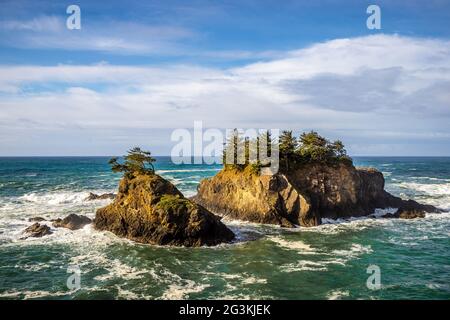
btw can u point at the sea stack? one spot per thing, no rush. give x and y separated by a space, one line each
303 195
150 209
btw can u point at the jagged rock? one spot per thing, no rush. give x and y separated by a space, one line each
36 219
299 197
37 230
250 197
149 209
93 196
72 222
407 212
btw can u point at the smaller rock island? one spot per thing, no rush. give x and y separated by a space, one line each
150 209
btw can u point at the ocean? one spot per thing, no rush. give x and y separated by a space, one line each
266 262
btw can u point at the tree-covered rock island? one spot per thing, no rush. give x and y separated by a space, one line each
316 179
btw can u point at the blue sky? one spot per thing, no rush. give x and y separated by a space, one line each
137 70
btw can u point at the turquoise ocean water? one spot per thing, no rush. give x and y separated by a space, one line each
325 262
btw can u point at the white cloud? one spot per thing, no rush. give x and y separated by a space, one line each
50 32
38 24
346 88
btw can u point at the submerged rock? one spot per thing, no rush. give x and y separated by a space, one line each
300 197
36 219
149 209
93 196
37 230
72 222
407 212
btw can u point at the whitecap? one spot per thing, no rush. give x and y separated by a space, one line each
182 291
305 265
432 189
293 245
337 294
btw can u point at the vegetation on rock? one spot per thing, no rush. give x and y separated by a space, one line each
137 161
150 209
241 152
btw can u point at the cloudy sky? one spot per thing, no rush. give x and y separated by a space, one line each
136 71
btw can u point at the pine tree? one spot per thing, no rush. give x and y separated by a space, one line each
287 146
234 150
136 161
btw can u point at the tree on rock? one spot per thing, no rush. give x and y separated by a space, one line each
315 148
137 161
287 147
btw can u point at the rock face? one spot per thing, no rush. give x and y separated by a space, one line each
302 197
72 222
93 196
149 209
37 230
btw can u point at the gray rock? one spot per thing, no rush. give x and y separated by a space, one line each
37 230
93 196
72 222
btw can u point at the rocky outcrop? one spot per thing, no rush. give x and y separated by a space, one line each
37 230
36 219
93 196
149 209
72 222
300 197
409 210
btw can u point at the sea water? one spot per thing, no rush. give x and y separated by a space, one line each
326 262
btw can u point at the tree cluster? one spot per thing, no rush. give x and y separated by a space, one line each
309 147
136 162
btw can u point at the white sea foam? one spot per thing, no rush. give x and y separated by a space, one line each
189 193
254 280
335 257
354 251
292 245
117 269
182 291
305 265
57 198
27 294
337 294
33 267
432 189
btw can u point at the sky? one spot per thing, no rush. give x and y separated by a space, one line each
137 70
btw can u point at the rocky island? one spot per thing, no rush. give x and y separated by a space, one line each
316 180
150 209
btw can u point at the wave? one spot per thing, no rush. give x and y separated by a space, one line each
177 291
432 189
58 198
337 294
355 251
55 198
38 294
326 258
293 245
304 265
